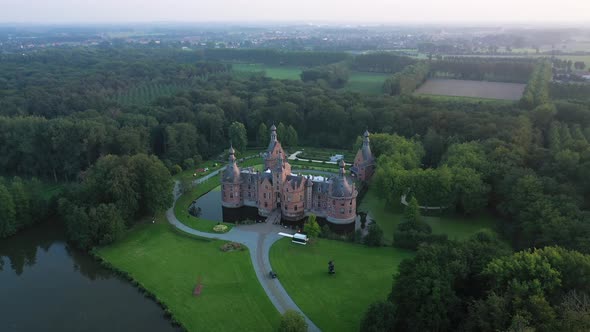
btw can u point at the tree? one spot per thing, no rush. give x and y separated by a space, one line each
7 213
311 227
238 135
470 192
281 130
412 211
290 138
379 317
374 237
22 204
262 135
292 321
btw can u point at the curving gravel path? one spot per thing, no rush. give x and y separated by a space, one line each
258 238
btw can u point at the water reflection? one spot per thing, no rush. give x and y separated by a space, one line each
209 207
45 285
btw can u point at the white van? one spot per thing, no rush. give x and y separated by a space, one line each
299 238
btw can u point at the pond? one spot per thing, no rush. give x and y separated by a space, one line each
46 285
209 207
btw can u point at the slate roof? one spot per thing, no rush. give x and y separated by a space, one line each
341 187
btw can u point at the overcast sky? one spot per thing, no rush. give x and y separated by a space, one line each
382 11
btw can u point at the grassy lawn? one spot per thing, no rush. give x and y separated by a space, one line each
168 265
182 204
457 227
338 302
276 72
371 83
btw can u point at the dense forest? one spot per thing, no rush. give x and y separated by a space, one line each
61 120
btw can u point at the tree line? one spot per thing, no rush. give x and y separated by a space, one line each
569 91
381 62
479 285
536 91
113 195
274 57
407 80
334 75
23 205
489 69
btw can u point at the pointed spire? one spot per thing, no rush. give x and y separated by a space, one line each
273 133
232 152
342 164
366 138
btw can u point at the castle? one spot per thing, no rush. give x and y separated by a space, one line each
295 196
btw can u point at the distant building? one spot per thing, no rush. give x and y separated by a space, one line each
295 196
364 162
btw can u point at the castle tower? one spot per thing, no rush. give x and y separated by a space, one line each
364 162
342 198
231 193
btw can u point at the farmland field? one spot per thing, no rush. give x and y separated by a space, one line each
357 82
366 82
476 89
276 72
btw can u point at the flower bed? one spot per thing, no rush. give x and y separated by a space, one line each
231 246
220 228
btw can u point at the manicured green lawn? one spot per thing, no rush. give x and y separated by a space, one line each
337 302
457 227
168 265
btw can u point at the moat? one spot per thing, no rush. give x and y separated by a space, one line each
209 207
45 285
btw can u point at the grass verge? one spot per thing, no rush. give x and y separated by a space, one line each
183 203
167 264
337 302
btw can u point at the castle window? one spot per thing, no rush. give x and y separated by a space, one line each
249 194
351 202
341 210
265 204
342 204
349 210
231 195
264 195
319 205
295 207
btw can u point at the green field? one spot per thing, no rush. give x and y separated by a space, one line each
465 99
363 82
457 227
357 82
276 72
168 264
338 302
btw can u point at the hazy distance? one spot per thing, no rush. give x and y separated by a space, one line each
365 11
